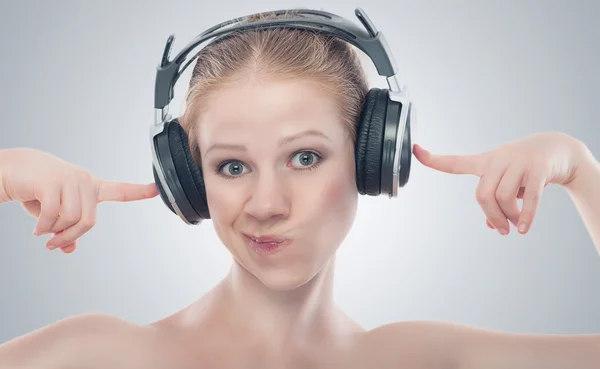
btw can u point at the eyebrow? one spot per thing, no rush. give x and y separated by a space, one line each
282 141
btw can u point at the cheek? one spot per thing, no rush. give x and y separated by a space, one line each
223 204
341 194
222 207
336 203
341 198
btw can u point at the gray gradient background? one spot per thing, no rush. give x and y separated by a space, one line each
77 80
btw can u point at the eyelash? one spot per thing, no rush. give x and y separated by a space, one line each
314 166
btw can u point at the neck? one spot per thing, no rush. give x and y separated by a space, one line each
278 316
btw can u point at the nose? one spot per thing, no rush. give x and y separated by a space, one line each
269 198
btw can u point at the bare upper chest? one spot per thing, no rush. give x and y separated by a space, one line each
151 351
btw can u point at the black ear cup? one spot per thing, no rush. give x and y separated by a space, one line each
161 190
188 171
407 152
379 128
369 142
183 175
383 147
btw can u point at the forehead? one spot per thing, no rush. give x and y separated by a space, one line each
268 108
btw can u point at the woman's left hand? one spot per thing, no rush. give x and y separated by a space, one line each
520 169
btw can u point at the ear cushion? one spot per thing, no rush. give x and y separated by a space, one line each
188 172
161 190
369 142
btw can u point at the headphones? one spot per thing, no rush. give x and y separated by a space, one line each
383 143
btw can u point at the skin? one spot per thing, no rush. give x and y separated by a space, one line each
277 311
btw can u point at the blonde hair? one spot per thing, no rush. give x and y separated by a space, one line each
277 53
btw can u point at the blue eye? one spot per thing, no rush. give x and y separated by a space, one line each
302 160
305 159
232 168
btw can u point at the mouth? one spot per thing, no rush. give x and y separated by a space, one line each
266 244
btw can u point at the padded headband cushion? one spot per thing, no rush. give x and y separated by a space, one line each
369 142
188 172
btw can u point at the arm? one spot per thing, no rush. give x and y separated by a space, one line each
49 347
474 348
584 190
73 342
442 345
479 348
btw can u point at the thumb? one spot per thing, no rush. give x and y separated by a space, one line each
453 164
124 192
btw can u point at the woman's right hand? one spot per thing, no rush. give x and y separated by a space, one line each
62 196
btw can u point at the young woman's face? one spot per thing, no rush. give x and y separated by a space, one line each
280 177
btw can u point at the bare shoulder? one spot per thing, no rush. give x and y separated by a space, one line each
437 345
74 342
410 344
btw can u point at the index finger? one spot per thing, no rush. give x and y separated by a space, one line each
453 164
124 192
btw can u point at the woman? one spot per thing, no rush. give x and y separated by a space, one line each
274 136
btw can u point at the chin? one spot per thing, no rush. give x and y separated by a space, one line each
286 270
292 274
286 274
283 279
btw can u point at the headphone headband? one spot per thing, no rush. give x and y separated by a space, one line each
369 40
383 145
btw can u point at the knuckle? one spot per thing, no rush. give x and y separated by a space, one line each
48 188
537 158
70 216
88 223
504 195
54 181
484 196
49 207
530 166
538 162
532 196
85 177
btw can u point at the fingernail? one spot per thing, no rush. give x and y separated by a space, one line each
51 246
522 227
502 231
